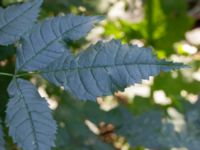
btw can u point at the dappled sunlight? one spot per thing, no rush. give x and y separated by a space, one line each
137 90
86 88
184 47
107 103
53 104
193 36
161 98
177 119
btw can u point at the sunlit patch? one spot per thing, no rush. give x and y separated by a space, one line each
53 104
183 93
183 59
95 34
192 98
62 124
161 98
185 48
117 11
174 75
62 87
139 90
107 103
142 90
193 36
189 49
92 127
177 119
3 63
81 8
139 43
196 75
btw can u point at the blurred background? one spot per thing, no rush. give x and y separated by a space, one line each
160 114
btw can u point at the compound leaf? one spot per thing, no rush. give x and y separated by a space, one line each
29 118
15 20
44 44
2 142
105 68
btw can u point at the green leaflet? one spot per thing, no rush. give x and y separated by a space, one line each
105 68
15 20
44 43
29 118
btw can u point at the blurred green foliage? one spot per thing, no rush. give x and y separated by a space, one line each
139 120
164 24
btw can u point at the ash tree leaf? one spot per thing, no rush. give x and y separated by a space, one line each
45 43
15 20
29 118
105 68
2 142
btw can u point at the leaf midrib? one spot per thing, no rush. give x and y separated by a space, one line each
27 109
105 66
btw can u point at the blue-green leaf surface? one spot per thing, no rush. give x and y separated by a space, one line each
15 20
45 43
29 118
105 68
2 142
